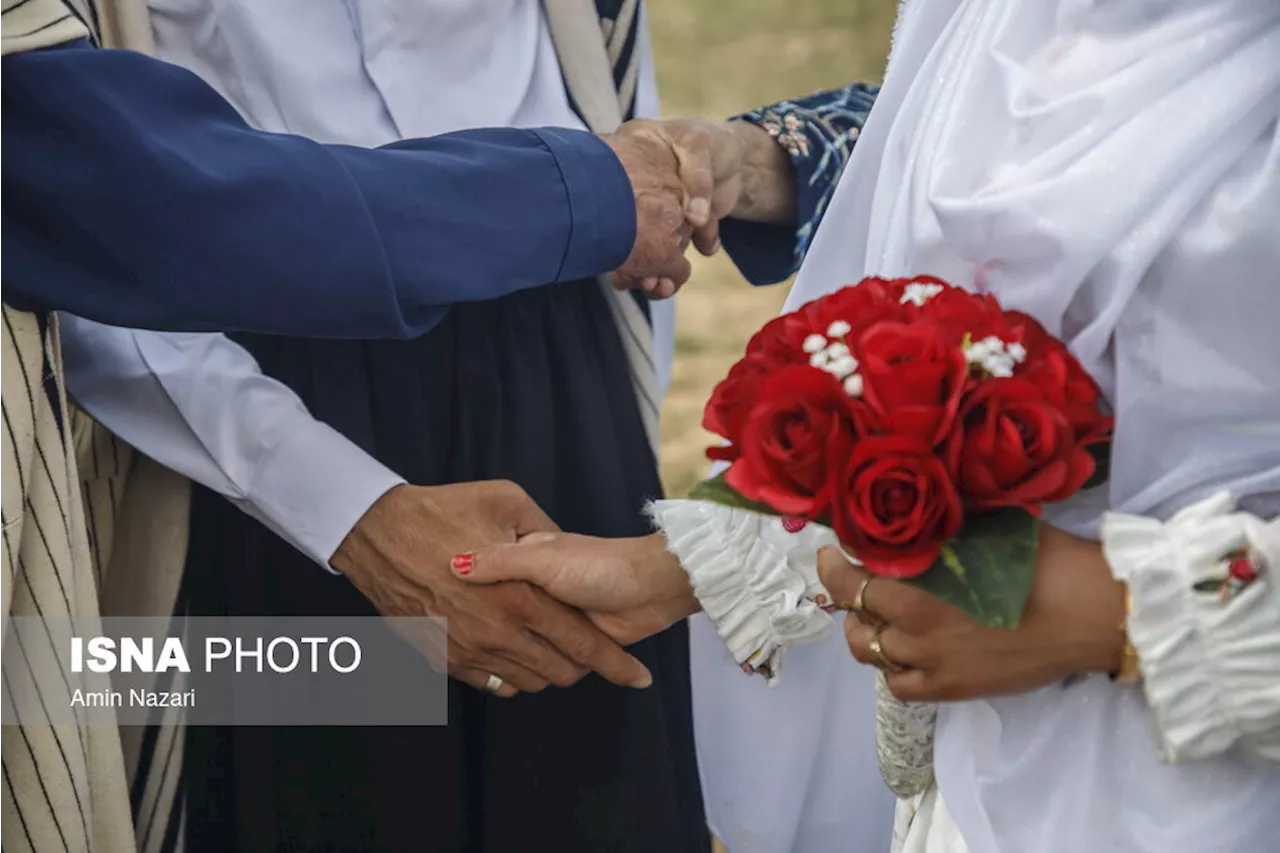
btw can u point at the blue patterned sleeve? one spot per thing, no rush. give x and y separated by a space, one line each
818 133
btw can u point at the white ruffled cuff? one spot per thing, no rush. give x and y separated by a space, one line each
756 580
1210 665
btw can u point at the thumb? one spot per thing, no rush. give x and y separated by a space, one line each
693 162
519 561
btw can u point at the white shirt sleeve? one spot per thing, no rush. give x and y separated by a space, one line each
199 404
1210 663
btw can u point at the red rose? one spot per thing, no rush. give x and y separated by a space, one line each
857 306
912 376
1027 331
895 505
961 314
726 411
1060 375
1018 448
781 340
800 423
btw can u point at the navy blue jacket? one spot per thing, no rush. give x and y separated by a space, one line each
133 194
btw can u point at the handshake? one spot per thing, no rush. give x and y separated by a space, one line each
687 175
527 605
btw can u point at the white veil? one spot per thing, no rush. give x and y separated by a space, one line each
1114 170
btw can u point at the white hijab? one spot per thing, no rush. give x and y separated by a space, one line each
1112 168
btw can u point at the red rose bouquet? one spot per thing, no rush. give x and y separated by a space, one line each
925 424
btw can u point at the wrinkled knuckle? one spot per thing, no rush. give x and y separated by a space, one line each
510 490
581 645
519 600
568 677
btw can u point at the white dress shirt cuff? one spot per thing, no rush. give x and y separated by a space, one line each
315 487
1210 666
756 581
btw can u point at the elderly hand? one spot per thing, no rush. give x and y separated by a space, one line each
399 556
720 169
931 651
630 588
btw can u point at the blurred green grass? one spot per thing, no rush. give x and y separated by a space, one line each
716 58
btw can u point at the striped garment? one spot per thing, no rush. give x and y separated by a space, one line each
77 544
595 43
65 787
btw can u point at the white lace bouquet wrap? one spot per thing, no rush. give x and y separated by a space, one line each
904 741
757 579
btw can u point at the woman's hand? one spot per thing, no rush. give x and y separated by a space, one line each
630 588
931 651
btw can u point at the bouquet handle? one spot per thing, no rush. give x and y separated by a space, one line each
904 741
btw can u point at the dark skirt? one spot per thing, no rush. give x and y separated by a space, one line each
533 388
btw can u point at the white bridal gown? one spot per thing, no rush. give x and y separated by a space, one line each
1112 168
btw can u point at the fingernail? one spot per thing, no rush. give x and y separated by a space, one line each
715 247
643 681
462 563
700 209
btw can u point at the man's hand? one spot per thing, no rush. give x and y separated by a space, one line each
631 588
688 174
399 556
665 207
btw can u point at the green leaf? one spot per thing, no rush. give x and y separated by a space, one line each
717 490
987 570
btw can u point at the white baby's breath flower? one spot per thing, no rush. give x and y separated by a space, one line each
814 343
918 294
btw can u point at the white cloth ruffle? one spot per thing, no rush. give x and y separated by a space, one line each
1210 667
757 581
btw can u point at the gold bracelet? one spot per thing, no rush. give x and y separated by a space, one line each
1130 672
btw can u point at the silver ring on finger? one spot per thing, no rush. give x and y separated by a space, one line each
493 684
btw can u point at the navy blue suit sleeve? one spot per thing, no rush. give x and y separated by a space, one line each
818 134
136 196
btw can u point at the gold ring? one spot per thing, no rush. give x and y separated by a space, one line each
859 604
879 659
860 598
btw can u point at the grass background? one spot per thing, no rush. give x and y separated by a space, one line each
716 58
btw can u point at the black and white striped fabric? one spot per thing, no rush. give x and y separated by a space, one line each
596 45
65 786
34 24
70 551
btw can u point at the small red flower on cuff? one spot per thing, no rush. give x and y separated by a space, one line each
792 524
1239 569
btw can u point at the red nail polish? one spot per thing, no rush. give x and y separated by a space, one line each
462 563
